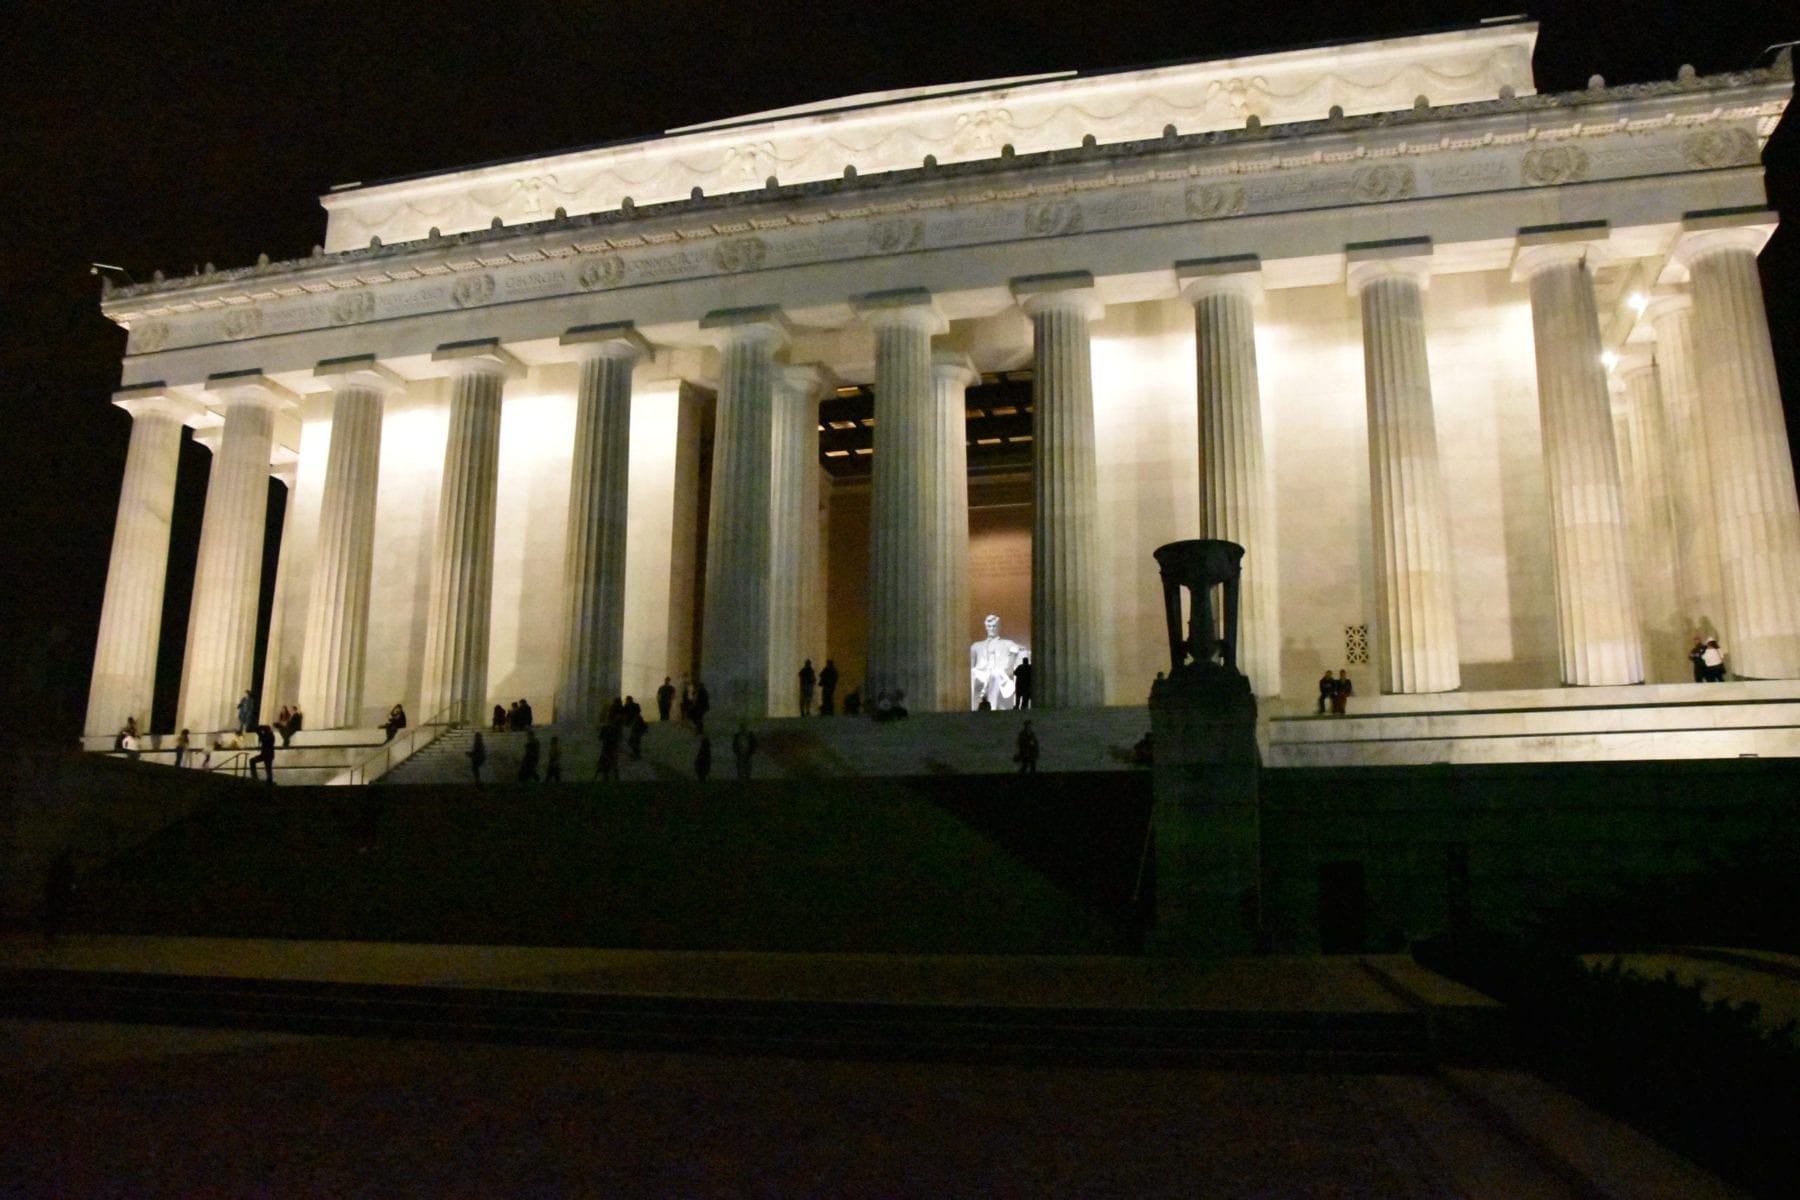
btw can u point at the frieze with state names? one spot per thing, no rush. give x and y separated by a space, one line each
1221 182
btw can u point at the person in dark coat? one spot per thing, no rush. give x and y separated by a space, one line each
743 749
808 677
246 714
1022 684
1327 689
499 719
396 721
828 689
703 759
265 754
665 699
1027 755
478 752
609 751
702 706
1341 691
529 762
1697 658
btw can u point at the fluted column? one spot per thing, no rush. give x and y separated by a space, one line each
1747 451
124 675
221 641
1066 621
1597 616
280 671
1415 582
337 611
951 376
905 601
794 457
734 653
593 610
1701 592
1644 474
1237 500
462 563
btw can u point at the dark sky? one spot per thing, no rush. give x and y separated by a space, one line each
167 136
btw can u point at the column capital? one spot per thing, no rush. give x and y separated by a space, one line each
1666 303
1068 290
1541 247
805 380
158 399
1631 361
1239 274
614 339
955 367
358 371
1708 233
251 387
1392 258
479 356
914 307
763 322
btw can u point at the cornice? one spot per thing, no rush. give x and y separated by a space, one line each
1535 141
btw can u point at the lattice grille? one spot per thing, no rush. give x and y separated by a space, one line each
1356 645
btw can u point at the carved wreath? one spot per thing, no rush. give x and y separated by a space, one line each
601 273
739 254
472 290
1555 164
1210 200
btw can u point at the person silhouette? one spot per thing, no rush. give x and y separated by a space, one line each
807 679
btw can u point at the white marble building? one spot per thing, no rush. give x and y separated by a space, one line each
1480 377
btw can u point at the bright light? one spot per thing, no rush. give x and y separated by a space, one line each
1610 359
1639 302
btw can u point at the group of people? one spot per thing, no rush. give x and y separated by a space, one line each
1335 692
288 722
826 682
515 716
1708 660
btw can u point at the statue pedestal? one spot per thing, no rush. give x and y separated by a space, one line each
1204 818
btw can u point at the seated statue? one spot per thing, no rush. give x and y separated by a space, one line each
992 662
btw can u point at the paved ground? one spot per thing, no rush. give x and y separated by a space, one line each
134 1112
120 1110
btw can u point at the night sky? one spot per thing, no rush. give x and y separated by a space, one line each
168 136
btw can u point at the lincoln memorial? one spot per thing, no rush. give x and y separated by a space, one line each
1480 378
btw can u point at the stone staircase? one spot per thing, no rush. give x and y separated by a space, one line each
1759 718
1092 739
313 756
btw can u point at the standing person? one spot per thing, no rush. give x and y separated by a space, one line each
808 677
1697 658
609 751
1027 755
1713 659
528 763
181 747
1328 688
665 699
743 749
828 689
1341 691
702 705
265 754
1022 683
499 718
703 759
477 757
553 768
634 741
246 713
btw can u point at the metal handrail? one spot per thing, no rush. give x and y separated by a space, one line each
414 739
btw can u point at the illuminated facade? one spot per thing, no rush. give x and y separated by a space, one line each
1433 347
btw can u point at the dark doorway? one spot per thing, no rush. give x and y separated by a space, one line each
1343 908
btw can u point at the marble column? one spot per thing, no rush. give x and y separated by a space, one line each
221 641
1597 617
337 611
593 610
1415 579
1067 629
1237 499
905 491
1747 450
1701 592
734 653
951 375
794 461
124 675
280 670
462 560
1644 474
